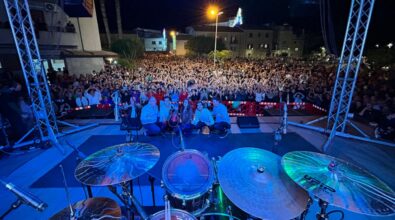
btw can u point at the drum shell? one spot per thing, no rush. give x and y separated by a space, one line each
187 177
176 214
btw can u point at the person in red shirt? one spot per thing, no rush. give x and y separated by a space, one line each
159 95
183 95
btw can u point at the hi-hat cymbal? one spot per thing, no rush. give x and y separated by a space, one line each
254 181
93 208
340 183
117 164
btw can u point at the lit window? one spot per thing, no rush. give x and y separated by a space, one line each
296 49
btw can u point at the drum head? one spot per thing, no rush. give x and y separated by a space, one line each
187 174
176 214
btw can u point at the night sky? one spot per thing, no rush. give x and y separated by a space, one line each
177 14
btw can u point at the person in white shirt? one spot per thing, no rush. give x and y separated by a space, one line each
93 95
81 101
202 117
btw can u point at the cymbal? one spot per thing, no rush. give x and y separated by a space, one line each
117 164
253 180
92 208
340 183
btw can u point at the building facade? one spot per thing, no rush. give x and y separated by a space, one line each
61 38
255 42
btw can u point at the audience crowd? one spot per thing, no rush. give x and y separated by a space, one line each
170 79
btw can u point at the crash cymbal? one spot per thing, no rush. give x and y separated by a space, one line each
117 164
340 183
93 208
254 181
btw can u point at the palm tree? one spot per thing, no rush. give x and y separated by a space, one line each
119 19
105 21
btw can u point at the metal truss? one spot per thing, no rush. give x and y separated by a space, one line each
348 67
46 127
346 77
33 70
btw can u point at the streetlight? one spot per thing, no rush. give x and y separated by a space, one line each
173 36
213 11
390 45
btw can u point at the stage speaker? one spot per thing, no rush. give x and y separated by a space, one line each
248 122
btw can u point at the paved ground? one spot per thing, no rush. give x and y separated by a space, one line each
379 160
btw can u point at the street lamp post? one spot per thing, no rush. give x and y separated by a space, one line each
214 11
216 36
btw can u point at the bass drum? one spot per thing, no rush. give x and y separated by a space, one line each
188 177
176 214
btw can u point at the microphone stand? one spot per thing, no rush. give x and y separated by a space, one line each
13 206
81 156
181 138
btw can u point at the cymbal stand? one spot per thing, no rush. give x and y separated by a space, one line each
306 211
323 215
151 180
134 202
129 208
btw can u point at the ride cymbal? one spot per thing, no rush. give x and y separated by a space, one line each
339 183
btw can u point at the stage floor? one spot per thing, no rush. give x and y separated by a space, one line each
38 171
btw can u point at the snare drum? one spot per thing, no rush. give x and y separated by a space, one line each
176 214
188 177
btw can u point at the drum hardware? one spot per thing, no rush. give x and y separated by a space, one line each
66 189
151 180
339 183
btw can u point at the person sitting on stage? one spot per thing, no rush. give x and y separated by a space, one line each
186 117
164 113
149 117
202 117
222 119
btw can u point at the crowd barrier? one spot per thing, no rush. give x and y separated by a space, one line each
235 108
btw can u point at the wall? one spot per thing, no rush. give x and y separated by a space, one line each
84 65
89 32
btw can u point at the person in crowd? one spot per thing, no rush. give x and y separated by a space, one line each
222 119
93 95
81 101
202 117
149 117
164 113
186 117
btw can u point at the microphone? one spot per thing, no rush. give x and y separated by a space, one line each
26 197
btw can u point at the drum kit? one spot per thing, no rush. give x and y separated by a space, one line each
246 183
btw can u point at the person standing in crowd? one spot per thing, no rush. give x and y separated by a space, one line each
202 117
186 117
222 119
164 113
149 117
93 95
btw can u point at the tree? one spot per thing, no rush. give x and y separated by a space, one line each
119 19
105 21
130 48
221 55
380 57
203 45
